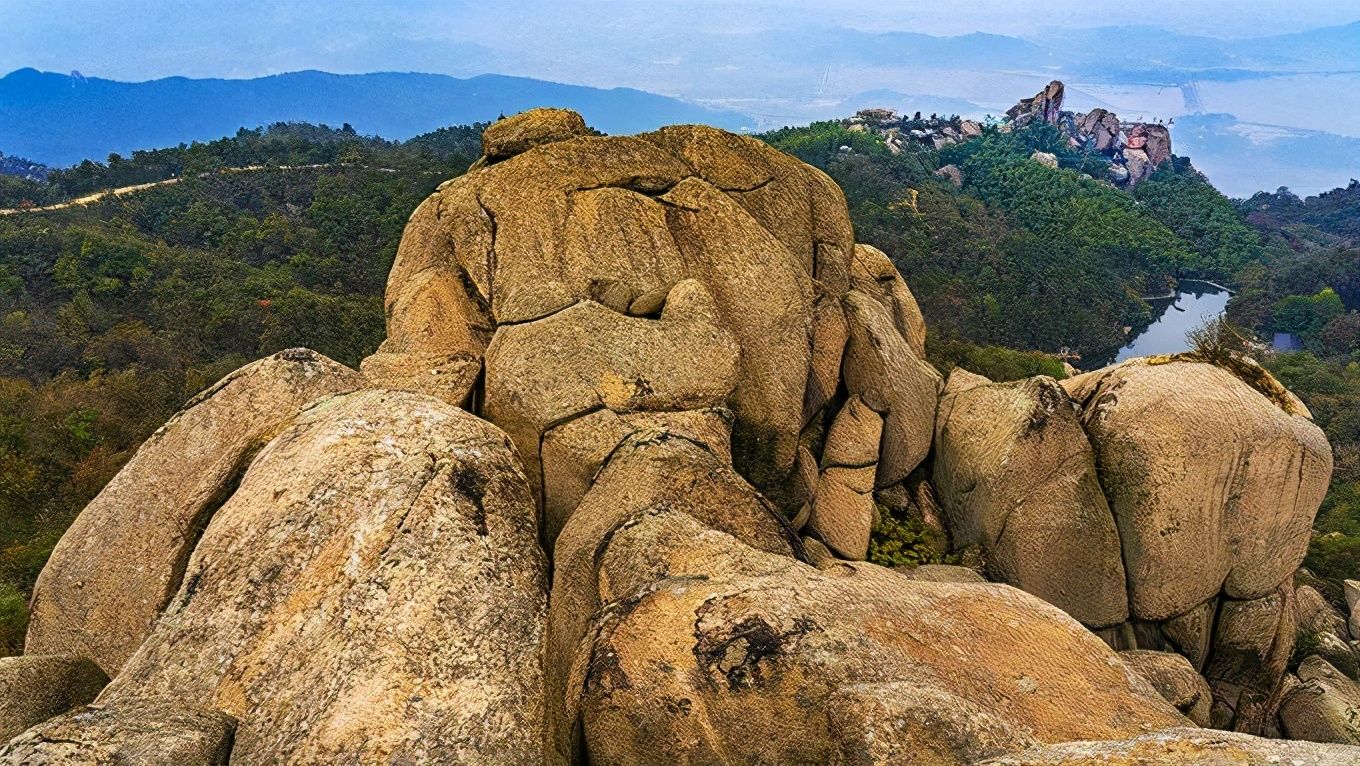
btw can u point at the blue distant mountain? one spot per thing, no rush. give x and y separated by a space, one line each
60 119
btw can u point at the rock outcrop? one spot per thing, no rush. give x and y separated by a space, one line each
657 375
1175 679
1213 486
1132 151
1044 106
716 640
1323 705
122 560
145 734
1016 475
34 688
374 589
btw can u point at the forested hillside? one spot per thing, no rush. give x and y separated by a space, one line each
1029 257
1023 255
113 314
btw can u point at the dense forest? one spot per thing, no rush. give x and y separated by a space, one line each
114 313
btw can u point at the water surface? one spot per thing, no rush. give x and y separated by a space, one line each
1195 303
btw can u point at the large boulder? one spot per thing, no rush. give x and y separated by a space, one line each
1213 484
123 558
873 273
1175 679
620 220
1015 474
651 471
142 733
1252 643
1184 747
708 640
881 369
522 132
546 373
34 688
1323 707
373 591
843 506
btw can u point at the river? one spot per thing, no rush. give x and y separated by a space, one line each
1194 304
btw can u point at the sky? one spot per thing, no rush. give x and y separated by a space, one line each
786 62
142 39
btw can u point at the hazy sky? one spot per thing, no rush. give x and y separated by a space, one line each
144 39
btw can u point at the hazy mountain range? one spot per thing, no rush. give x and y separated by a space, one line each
1253 112
61 119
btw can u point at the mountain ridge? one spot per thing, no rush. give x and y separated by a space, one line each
46 116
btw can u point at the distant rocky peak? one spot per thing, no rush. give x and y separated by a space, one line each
1045 106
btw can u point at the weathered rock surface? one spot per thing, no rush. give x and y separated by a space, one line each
1315 615
1184 747
843 506
1351 591
1045 106
649 473
709 640
883 371
1175 679
1323 707
1015 473
144 734
373 591
34 688
1251 647
522 132
1213 485
619 220
117 566
941 573
873 273
602 359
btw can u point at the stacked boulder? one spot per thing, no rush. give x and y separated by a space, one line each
604 495
1134 150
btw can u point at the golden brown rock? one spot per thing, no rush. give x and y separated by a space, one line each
1252 644
1213 485
373 592
522 132
117 566
882 370
873 273
619 221
843 511
34 688
1323 707
1015 474
648 474
1175 679
144 734
542 374
708 640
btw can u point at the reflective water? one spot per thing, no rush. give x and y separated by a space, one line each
1196 303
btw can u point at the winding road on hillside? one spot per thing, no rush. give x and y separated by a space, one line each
99 196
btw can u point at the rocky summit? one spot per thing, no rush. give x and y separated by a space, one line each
605 494
1128 152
